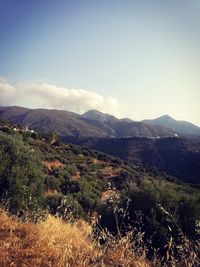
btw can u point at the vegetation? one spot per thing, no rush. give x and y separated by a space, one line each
54 242
20 173
177 157
132 214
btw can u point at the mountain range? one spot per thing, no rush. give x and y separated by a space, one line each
95 124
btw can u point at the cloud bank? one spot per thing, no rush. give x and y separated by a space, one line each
44 95
8 93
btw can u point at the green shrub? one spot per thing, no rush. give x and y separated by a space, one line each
21 177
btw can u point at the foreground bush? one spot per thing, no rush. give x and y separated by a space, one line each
21 178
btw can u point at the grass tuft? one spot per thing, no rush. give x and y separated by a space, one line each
54 242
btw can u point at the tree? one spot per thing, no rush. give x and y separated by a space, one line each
20 173
51 137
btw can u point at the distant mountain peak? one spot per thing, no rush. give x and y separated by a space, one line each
165 119
93 111
127 120
165 116
94 114
182 127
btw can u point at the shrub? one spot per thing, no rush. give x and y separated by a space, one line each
21 178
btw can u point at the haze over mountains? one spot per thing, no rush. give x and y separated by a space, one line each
95 124
183 127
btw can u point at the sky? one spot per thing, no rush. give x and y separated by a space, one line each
137 59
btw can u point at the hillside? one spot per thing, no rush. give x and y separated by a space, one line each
62 122
90 124
72 182
178 157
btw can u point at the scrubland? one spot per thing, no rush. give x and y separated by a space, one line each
53 242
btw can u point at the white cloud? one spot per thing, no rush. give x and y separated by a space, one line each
7 93
43 95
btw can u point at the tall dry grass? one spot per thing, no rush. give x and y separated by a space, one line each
54 242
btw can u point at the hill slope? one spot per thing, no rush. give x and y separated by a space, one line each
62 122
179 157
74 182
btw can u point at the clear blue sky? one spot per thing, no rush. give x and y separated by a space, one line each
144 54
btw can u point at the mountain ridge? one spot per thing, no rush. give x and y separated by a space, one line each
181 126
94 123
90 124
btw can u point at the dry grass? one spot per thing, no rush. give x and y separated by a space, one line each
56 243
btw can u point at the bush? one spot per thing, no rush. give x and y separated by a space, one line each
20 173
